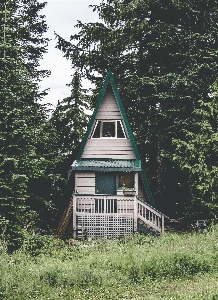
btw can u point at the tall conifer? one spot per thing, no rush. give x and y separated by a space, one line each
21 116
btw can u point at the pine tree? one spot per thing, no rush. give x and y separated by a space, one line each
70 117
69 120
197 153
21 116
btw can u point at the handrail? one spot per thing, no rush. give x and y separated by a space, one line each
150 216
151 207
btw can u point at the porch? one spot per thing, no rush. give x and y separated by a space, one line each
113 216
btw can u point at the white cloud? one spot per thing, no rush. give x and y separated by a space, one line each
61 17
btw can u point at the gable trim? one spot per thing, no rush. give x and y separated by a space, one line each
109 79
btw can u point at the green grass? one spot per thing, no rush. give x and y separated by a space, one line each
142 267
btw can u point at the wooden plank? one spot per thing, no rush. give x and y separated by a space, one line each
85 181
115 147
109 151
109 98
114 156
108 116
110 107
113 112
107 142
108 148
85 174
86 190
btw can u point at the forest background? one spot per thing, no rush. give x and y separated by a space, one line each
164 58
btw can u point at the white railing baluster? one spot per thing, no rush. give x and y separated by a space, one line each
104 207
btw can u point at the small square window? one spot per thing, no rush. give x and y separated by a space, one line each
127 180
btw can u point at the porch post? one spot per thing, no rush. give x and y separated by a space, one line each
105 204
135 214
74 216
162 225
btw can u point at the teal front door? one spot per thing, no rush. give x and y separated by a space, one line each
105 183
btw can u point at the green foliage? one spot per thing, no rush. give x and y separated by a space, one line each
196 153
68 122
164 58
185 267
25 159
69 118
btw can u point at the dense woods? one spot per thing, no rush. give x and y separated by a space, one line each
163 55
28 143
164 58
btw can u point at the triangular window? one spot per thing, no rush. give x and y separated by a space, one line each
108 129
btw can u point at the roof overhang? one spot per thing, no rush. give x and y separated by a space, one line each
122 165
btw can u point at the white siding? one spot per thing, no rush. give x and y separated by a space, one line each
108 148
115 148
108 109
85 182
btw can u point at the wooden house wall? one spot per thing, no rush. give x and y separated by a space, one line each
85 182
108 148
116 148
109 109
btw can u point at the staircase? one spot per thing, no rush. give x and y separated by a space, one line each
149 220
142 228
64 221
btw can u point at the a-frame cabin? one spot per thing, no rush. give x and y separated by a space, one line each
112 197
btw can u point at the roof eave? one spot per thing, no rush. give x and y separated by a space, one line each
107 169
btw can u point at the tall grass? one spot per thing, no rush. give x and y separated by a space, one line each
141 267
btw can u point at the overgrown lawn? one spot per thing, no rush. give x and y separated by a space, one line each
142 267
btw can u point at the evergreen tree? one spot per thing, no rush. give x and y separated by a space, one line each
197 153
69 120
21 116
164 57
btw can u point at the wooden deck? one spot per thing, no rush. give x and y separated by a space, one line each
112 216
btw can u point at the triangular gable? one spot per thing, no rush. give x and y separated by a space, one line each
109 80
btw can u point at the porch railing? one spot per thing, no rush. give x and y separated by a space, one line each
151 217
90 208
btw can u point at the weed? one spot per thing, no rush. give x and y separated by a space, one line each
140 267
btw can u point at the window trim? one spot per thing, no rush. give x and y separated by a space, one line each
101 129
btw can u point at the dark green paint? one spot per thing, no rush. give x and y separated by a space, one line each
105 183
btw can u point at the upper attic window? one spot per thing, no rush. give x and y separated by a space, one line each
108 129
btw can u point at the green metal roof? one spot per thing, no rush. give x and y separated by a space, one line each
106 165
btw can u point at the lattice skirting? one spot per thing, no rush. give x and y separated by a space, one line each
107 225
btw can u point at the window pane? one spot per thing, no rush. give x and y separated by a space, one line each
96 133
120 133
127 180
108 129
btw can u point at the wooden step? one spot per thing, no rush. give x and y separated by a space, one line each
64 221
